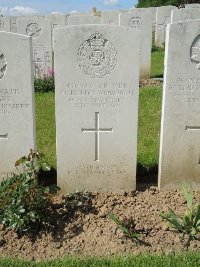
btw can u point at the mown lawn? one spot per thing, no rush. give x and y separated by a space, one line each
157 64
184 260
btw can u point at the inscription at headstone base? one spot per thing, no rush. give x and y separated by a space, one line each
17 127
96 107
180 124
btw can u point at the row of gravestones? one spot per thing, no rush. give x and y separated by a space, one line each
97 80
40 29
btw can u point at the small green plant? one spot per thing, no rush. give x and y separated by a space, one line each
189 223
127 226
23 202
78 199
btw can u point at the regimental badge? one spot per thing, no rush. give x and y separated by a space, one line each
3 65
97 56
195 52
34 30
135 23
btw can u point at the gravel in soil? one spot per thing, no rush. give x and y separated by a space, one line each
85 229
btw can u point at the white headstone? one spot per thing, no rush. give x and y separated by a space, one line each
57 20
141 20
196 5
83 19
40 30
96 107
110 18
163 17
17 127
153 11
4 23
185 14
180 124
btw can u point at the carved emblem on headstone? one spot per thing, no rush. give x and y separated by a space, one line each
97 56
33 30
3 65
195 52
135 23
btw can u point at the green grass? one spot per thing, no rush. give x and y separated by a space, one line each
149 127
45 126
184 260
157 64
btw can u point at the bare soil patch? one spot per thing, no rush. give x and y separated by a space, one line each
86 230
154 82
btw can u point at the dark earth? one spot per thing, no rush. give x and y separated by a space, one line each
84 229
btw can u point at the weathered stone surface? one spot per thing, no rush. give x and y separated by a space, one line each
185 14
17 128
57 20
153 11
4 23
83 19
96 107
196 5
39 29
141 20
180 124
110 17
163 17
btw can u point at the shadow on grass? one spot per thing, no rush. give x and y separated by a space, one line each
157 76
146 177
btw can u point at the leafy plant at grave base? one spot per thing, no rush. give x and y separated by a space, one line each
127 226
45 84
23 202
78 199
189 223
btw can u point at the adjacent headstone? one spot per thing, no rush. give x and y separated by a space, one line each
40 31
4 23
57 20
17 126
83 19
163 17
153 11
185 14
13 24
141 20
110 17
196 5
96 79
180 124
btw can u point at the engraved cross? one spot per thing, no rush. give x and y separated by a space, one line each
193 128
97 130
3 136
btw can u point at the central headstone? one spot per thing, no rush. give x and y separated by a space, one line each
96 107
